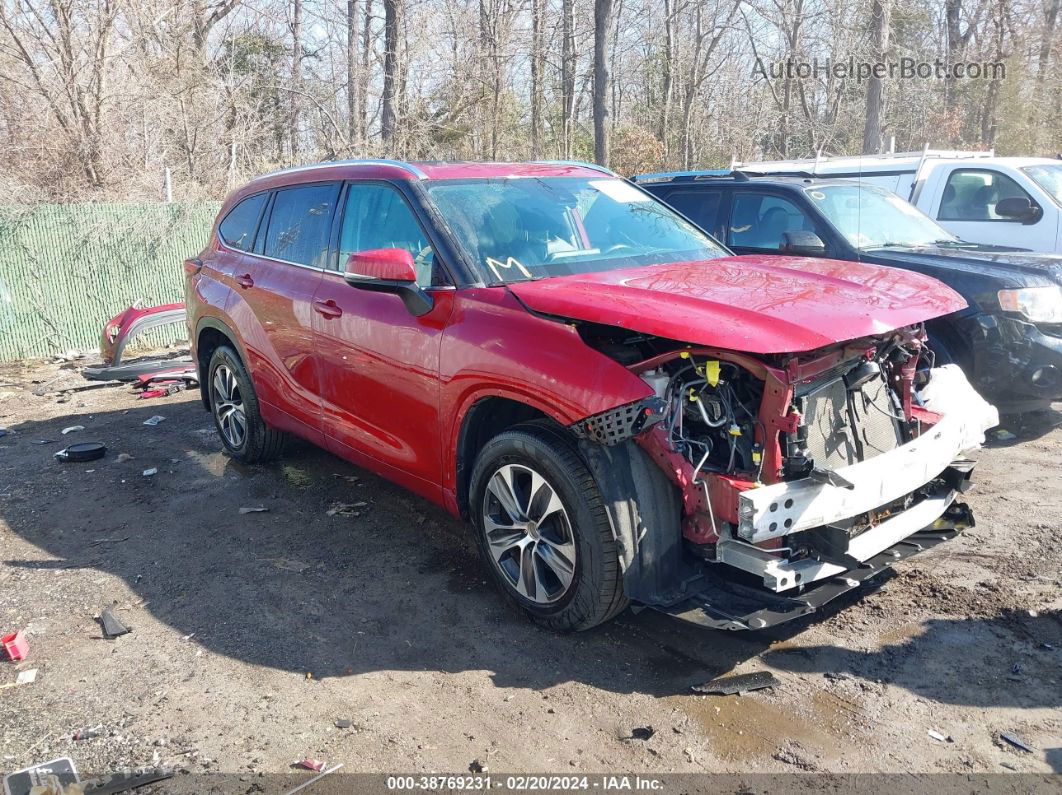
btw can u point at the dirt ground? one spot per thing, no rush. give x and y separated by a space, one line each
253 633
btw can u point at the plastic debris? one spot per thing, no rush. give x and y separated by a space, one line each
54 777
154 420
1003 435
16 647
477 767
112 627
346 508
321 775
72 429
642 732
1016 741
940 738
149 472
311 764
258 509
88 732
742 683
26 677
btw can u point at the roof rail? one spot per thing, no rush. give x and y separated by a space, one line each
692 176
578 163
408 167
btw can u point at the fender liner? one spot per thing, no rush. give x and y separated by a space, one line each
645 511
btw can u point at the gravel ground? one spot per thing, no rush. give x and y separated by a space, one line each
253 633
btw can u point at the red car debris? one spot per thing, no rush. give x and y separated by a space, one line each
623 410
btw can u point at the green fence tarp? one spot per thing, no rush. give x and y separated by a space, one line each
66 269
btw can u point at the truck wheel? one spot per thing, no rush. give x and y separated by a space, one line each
234 406
542 528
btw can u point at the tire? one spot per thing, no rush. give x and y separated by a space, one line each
232 399
534 576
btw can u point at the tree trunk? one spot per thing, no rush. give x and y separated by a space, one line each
388 117
667 87
536 78
296 76
602 25
567 77
353 97
879 36
363 77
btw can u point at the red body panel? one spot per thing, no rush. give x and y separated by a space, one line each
751 304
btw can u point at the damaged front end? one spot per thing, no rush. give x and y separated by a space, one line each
801 476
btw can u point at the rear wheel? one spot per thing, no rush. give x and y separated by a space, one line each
543 530
234 405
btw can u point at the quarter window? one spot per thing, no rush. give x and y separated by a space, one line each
299 224
376 216
972 194
237 229
759 221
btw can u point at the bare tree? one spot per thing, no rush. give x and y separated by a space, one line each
879 35
388 114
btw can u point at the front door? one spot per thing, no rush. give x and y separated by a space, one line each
966 207
277 285
378 364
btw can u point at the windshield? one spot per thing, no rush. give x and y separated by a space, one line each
1047 177
518 229
871 217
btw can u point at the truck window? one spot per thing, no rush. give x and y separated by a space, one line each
700 206
971 194
759 220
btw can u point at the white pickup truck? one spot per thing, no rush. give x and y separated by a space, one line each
981 198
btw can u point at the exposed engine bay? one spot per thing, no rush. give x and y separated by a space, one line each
798 468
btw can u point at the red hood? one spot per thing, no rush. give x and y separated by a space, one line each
755 304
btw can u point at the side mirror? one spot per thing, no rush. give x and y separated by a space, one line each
389 270
1018 208
801 242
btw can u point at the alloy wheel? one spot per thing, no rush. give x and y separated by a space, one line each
228 406
529 534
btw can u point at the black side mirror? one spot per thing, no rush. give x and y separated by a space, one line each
804 243
1018 208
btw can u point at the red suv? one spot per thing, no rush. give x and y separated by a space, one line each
623 410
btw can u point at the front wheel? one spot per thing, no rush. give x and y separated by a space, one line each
542 529
234 404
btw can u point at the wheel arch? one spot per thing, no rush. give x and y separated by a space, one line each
210 334
484 417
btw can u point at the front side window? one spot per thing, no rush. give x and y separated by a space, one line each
972 195
299 224
1049 178
237 229
376 216
518 229
760 220
872 217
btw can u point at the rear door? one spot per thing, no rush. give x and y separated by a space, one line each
704 206
274 304
378 364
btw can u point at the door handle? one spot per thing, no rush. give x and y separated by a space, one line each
327 308
245 281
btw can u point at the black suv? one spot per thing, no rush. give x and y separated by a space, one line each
1009 338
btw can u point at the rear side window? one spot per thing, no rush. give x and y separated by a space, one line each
700 206
299 224
237 230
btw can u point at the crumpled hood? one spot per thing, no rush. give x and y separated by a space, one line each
755 304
